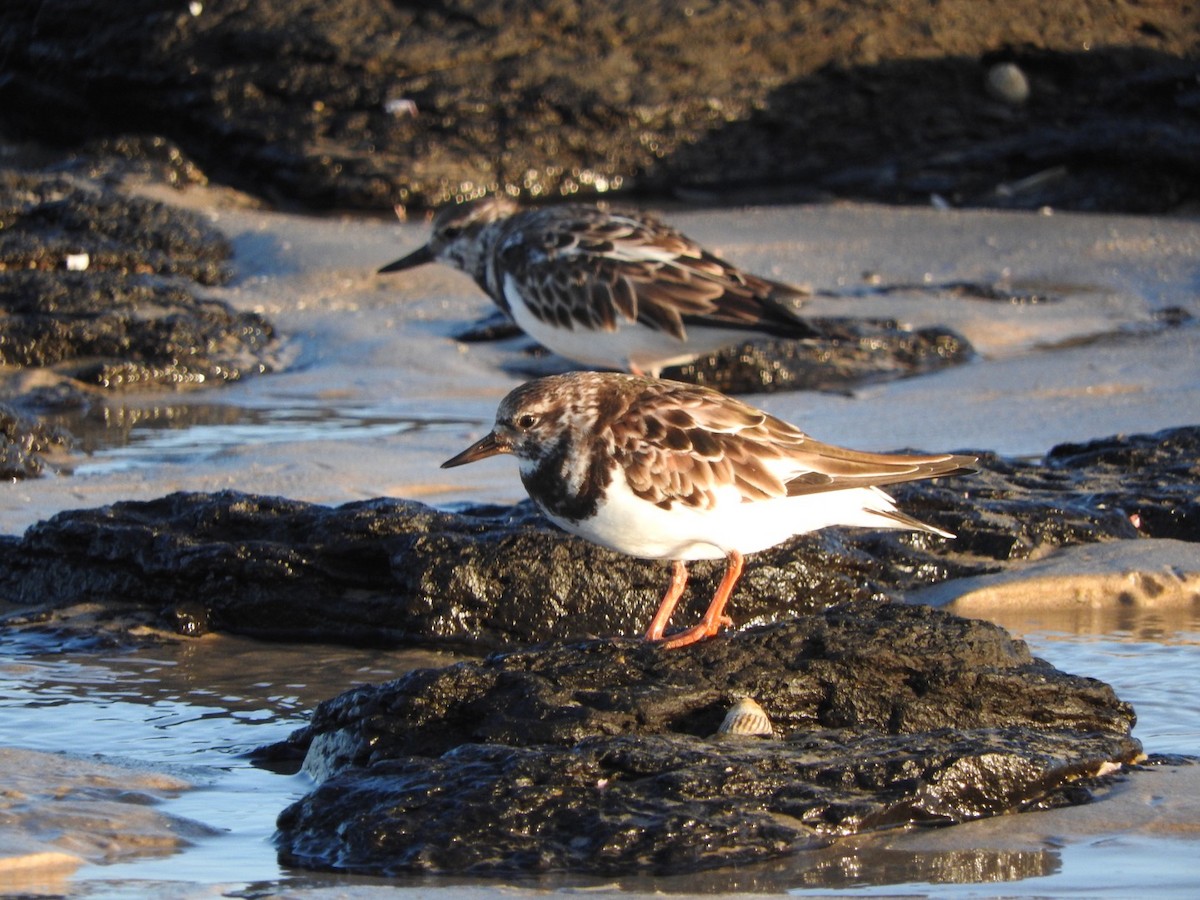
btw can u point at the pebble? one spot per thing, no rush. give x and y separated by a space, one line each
1007 83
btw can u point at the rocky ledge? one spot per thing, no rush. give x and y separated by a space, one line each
101 292
610 757
394 572
845 354
1085 104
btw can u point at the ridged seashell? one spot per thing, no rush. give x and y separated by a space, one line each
746 717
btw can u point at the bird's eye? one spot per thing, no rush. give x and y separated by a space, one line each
526 421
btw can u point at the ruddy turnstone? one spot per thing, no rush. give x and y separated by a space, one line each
663 470
607 289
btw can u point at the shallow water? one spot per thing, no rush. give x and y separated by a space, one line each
197 707
193 709
120 439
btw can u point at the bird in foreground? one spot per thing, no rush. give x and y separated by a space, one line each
663 470
607 289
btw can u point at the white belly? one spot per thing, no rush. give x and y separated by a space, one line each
630 345
630 525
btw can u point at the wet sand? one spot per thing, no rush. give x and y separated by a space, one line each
378 394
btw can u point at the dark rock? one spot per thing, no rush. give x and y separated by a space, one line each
905 129
495 326
395 572
1160 465
44 218
149 157
110 331
23 441
1119 487
371 104
846 355
98 288
130 316
600 757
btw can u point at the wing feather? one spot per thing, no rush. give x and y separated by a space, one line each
687 444
640 268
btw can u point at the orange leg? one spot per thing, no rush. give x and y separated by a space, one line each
674 592
715 617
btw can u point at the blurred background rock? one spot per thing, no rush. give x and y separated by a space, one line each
361 104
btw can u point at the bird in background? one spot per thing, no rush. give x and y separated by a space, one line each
607 289
664 470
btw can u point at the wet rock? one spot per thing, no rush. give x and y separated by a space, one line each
1119 487
23 443
106 331
383 103
98 291
597 757
48 218
396 572
847 354
100 288
494 326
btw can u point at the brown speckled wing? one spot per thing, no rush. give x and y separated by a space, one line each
680 443
582 267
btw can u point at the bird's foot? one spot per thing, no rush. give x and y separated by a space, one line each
701 632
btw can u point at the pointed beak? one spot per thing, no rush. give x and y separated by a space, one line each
418 257
488 445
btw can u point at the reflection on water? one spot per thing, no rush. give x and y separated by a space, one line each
119 438
1115 622
891 867
857 864
185 703
1107 867
196 707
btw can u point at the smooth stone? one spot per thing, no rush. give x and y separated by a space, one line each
1007 83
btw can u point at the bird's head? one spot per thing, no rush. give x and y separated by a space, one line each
456 235
545 417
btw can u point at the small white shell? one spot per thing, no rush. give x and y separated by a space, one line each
746 717
1007 83
400 108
